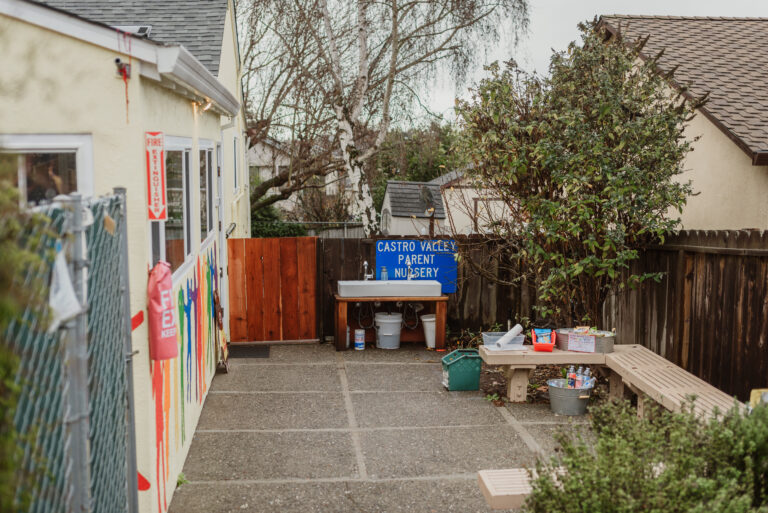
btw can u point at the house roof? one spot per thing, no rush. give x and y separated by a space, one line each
408 199
197 25
721 56
448 178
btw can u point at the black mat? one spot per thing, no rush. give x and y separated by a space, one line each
249 351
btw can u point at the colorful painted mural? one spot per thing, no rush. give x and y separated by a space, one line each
184 380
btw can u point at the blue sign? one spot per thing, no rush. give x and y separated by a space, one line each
429 260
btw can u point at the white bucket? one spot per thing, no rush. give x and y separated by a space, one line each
359 340
388 330
428 322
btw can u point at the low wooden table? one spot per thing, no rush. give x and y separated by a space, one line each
520 364
441 311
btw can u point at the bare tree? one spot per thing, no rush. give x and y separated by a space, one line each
340 70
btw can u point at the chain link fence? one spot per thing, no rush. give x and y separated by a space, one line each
75 410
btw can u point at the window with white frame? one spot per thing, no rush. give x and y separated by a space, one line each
234 162
206 192
47 165
171 240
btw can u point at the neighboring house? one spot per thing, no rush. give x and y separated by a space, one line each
71 122
412 208
266 159
469 209
724 57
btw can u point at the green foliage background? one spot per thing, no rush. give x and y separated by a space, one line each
586 162
15 297
415 155
668 462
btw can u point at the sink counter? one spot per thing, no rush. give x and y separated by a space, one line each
390 288
440 310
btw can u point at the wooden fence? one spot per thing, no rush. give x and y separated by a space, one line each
272 289
709 314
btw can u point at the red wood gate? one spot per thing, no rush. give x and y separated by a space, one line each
272 289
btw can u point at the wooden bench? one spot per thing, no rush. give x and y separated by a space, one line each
507 488
520 364
632 366
652 376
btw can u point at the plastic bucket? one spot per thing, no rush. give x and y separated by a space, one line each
428 323
567 401
388 330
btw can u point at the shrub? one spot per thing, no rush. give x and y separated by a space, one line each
585 167
669 462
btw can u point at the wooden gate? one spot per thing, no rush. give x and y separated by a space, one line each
272 289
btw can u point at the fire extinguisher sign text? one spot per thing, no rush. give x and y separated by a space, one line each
155 148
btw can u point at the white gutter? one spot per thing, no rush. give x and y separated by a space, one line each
158 61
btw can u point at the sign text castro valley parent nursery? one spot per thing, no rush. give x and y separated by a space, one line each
429 260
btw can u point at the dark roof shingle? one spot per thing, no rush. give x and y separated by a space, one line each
406 199
724 57
197 25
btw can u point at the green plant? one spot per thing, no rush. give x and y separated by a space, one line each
667 462
266 222
492 397
586 163
20 291
181 480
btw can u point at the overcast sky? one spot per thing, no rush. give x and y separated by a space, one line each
553 25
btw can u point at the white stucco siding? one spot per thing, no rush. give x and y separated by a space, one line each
55 84
730 192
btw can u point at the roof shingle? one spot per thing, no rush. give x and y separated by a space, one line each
721 56
197 25
406 199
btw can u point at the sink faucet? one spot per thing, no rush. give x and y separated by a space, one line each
366 275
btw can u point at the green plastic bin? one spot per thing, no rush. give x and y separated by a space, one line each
461 370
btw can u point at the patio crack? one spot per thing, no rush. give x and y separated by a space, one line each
351 419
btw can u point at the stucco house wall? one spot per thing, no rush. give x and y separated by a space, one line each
729 192
54 84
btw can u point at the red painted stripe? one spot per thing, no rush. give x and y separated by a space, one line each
143 483
137 319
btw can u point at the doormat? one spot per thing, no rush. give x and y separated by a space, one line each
249 351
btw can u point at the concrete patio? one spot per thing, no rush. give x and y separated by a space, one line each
312 430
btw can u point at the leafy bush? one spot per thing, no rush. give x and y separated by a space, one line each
266 222
670 462
16 296
585 164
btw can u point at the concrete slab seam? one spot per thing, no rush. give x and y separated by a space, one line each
350 430
355 435
528 439
437 477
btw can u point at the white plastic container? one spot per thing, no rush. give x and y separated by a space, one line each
428 323
359 340
388 330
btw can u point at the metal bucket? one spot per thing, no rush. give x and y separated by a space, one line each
567 401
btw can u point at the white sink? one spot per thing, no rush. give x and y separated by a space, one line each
390 288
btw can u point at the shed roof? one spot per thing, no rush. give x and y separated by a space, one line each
407 199
197 25
721 56
448 177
